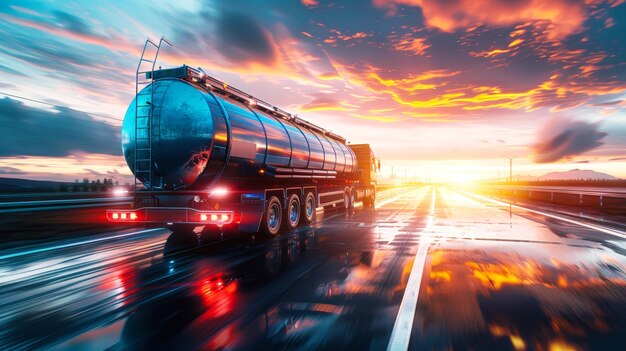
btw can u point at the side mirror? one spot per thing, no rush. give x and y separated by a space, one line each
378 161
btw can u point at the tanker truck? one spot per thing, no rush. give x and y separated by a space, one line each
204 153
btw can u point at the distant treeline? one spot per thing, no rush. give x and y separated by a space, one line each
15 185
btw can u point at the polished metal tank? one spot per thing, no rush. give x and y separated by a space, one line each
198 134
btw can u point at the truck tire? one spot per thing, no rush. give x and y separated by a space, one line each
352 198
348 199
292 212
273 217
308 208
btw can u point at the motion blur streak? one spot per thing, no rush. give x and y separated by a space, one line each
80 243
492 279
401 333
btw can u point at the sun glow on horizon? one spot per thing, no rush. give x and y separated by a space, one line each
519 79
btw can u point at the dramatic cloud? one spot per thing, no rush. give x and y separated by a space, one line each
73 23
565 16
563 137
310 3
10 171
241 39
29 131
326 103
440 68
413 46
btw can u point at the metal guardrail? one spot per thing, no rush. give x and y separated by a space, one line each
572 196
591 191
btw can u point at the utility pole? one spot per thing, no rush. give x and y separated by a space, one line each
510 168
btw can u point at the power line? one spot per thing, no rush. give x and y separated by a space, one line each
61 106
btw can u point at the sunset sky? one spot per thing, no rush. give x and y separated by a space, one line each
444 89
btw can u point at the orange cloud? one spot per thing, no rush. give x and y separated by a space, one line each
310 3
414 82
339 37
565 17
376 118
414 46
329 76
325 103
490 53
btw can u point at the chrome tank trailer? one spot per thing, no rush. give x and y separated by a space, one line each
201 129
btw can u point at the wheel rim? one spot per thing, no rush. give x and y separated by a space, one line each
293 212
273 217
309 207
351 200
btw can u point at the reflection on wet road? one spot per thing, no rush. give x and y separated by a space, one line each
490 278
501 281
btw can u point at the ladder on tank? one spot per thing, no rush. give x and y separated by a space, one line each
146 127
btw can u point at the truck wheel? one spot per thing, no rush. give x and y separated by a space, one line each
348 200
352 198
273 217
308 210
293 212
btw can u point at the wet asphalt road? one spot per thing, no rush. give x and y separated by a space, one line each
440 268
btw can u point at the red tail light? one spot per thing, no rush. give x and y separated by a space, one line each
122 216
218 218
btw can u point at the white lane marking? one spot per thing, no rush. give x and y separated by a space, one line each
50 248
388 201
605 230
381 203
401 333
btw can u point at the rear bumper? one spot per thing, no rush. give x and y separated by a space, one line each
171 215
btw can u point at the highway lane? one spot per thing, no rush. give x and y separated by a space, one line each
78 285
504 278
488 277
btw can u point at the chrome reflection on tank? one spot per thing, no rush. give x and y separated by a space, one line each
182 133
196 135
